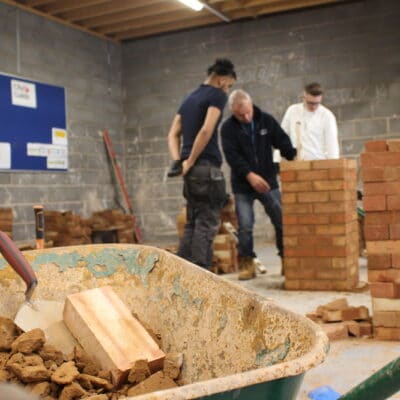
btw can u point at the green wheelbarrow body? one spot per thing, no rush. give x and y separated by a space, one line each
236 344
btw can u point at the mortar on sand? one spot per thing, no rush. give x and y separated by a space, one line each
236 344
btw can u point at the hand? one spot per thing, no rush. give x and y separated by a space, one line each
258 183
185 167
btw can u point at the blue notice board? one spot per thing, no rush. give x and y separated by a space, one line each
33 133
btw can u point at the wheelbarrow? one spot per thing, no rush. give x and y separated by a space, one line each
236 344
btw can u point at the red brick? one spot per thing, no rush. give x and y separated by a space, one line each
376 145
376 232
296 186
388 290
291 262
299 251
343 217
394 231
330 229
383 275
289 198
374 188
312 175
374 202
336 331
332 251
300 273
329 185
386 319
380 159
385 217
342 173
328 164
312 261
373 174
297 209
395 260
355 313
393 202
394 145
312 197
383 246
313 219
291 241
291 230
290 220
287 176
379 261
295 165
383 333
343 195
333 207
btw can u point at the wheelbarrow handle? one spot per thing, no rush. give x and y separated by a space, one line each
18 262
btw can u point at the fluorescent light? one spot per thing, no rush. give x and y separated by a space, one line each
194 4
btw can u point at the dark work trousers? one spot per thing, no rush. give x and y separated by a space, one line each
204 190
272 204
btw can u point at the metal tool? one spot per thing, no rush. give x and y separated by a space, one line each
43 314
39 226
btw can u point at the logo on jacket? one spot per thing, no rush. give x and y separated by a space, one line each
263 131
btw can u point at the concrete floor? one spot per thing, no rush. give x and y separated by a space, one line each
349 361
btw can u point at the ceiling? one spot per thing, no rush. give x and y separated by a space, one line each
121 20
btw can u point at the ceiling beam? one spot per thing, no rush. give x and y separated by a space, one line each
55 19
107 8
143 12
67 5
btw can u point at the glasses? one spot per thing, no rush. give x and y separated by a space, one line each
313 103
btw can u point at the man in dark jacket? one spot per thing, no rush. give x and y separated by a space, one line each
248 139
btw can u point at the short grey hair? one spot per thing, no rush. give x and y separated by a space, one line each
238 96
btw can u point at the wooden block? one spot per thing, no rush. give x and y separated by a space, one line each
109 333
393 145
359 329
338 304
384 275
331 316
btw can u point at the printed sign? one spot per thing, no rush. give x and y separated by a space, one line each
23 93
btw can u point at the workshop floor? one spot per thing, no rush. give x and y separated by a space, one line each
349 361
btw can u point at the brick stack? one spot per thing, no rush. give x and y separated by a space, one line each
114 220
320 224
65 229
380 167
6 221
225 254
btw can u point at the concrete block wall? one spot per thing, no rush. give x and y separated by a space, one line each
90 71
320 226
351 48
380 167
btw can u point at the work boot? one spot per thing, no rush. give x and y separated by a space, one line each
260 267
247 269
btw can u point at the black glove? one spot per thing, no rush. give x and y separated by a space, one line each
175 169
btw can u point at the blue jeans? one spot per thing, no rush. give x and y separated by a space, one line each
244 203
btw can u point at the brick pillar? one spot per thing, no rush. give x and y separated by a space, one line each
380 167
320 227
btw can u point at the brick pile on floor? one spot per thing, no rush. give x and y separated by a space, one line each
64 228
114 219
320 224
339 320
380 167
225 254
6 221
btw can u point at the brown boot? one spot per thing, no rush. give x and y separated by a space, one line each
247 269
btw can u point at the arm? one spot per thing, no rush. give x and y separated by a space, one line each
281 141
174 137
203 137
331 138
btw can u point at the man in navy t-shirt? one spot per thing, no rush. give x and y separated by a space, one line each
193 139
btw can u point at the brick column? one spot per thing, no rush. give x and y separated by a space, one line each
320 228
380 167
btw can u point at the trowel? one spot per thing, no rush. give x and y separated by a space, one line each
44 314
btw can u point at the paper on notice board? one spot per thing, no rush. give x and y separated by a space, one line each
5 155
57 157
59 136
23 93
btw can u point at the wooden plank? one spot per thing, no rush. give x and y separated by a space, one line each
108 332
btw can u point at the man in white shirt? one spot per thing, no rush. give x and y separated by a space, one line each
312 127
